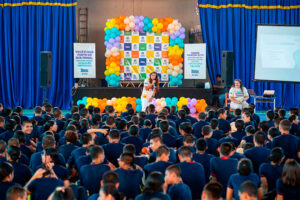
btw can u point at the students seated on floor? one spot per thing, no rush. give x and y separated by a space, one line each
39 141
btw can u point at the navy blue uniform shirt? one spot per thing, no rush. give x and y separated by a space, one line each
289 193
192 174
271 173
66 150
236 180
130 182
197 128
159 166
224 125
113 152
258 155
180 191
136 141
22 173
42 188
289 143
91 176
217 166
218 134
204 159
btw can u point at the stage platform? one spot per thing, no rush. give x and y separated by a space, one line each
106 92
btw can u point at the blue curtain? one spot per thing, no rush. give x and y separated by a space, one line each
231 25
26 28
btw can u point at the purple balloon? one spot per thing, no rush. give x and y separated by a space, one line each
182 30
173 37
141 24
116 44
189 99
182 36
136 20
118 39
105 43
136 28
109 46
111 40
189 105
141 18
177 34
193 110
194 101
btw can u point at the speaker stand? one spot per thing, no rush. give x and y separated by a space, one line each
45 96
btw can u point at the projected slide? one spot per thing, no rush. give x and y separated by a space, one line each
277 53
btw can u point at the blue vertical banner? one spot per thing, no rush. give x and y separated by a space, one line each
26 28
230 25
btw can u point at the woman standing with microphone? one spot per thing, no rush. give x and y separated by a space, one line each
151 87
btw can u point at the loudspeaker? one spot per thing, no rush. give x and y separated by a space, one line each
227 68
45 68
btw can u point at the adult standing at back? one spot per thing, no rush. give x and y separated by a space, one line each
238 95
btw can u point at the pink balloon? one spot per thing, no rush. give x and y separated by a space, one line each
189 105
193 110
194 101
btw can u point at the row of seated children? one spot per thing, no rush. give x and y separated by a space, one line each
45 152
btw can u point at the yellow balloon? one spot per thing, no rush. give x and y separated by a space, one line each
154 29
160 25
155 21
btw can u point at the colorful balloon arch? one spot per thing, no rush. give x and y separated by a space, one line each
140 23
195 105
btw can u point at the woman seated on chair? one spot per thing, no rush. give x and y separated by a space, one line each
238 95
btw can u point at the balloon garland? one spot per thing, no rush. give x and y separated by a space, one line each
119 104
140 23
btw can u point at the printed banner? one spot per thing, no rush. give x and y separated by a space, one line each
195 61
143 53
84 60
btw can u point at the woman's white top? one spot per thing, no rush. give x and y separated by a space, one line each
239 95
147 93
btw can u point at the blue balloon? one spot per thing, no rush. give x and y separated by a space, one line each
84 98
172 43
180 76
113 76
175 99
181 45
138 108
113 35
114 29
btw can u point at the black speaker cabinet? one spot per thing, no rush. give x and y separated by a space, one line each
45 68
227 68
